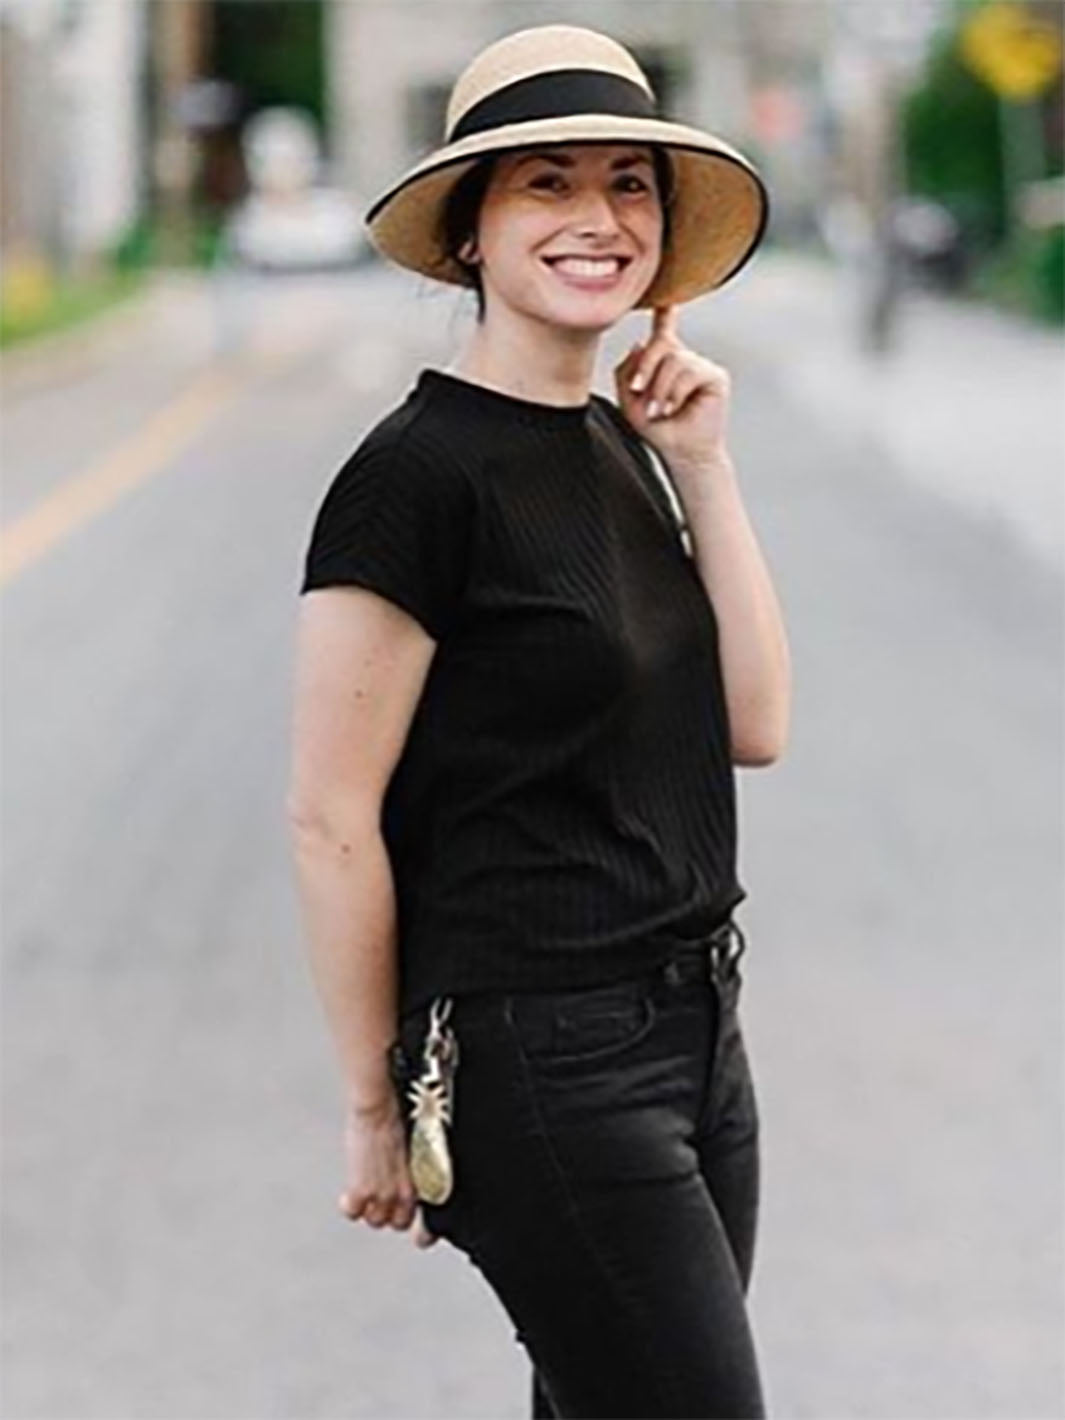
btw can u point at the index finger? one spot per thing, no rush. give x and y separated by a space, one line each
665 321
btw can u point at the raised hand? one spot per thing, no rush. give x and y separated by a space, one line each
673 397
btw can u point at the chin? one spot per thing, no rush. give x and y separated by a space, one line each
592 316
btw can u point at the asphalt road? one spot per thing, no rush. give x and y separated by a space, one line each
171 1245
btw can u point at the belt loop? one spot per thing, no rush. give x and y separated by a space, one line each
738 930
723 961
719 957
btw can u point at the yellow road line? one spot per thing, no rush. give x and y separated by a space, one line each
135 460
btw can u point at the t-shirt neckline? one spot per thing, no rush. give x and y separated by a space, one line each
476 397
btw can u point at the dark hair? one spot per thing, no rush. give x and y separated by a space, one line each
463 207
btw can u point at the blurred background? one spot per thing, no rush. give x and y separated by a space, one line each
195 332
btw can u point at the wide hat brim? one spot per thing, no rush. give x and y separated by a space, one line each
718 216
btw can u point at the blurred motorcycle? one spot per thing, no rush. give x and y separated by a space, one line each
931 242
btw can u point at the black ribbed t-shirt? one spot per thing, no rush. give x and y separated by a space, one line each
563 810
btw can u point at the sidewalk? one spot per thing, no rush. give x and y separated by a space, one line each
183 317
91 394
968 403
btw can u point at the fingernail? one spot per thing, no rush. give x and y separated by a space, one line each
652 409
667 408
638 382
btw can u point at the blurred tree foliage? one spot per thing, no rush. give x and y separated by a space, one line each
952 147
950 138
273 49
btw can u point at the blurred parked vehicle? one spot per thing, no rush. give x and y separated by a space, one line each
291 220
321 229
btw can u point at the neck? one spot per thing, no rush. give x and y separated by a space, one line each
522 362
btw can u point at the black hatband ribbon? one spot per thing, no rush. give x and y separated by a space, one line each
554 95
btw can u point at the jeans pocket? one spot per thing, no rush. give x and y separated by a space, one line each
584 1025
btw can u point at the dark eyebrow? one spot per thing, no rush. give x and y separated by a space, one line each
564 160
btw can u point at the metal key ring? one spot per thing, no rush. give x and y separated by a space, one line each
439 1010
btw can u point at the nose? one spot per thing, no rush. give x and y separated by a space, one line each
596 212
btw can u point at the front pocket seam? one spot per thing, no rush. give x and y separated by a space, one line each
552 1055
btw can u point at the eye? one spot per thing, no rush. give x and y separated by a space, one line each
544 178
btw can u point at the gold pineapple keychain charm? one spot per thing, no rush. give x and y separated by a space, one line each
432 1098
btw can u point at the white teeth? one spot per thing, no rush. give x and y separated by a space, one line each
586 266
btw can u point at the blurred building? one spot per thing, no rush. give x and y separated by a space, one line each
72 132
109 106
389 72
800 87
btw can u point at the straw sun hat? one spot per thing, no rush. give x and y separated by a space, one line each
564 84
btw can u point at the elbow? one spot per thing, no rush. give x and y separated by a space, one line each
757 755
759 732
757 750
303 815
322 819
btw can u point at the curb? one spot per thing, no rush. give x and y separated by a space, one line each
55 358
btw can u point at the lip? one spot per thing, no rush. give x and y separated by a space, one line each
588 283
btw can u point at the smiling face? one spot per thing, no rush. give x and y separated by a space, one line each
571 234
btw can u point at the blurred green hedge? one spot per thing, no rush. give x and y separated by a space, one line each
952 152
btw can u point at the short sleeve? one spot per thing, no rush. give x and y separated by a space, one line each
397 519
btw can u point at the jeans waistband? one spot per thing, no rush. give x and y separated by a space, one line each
690 959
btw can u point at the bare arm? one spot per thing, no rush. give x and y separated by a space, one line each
361 665
755 660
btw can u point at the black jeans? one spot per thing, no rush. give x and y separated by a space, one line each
605 1151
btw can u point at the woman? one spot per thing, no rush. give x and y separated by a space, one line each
520 692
